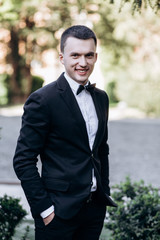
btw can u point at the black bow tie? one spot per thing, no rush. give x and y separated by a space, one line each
89 88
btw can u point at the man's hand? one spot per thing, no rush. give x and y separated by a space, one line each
48 219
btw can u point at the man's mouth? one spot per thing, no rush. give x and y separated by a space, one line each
82 70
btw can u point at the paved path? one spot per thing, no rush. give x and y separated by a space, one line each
134 151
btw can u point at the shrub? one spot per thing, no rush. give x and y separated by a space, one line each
11 213
37 83
138 214
111 90
3 89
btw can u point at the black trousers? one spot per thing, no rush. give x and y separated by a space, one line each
86 225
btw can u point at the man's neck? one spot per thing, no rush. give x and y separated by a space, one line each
78 83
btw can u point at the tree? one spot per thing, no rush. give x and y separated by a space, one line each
129 52
29 27
138 5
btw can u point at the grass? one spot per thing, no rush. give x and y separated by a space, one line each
21 230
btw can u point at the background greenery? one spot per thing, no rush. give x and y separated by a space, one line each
11 213
128 33
138 213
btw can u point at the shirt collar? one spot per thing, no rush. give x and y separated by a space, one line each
73 84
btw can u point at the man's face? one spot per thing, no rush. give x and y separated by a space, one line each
78 58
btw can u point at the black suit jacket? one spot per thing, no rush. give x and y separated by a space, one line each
53 127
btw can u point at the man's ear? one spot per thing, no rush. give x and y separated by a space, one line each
61 58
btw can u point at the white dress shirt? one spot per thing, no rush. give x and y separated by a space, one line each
87 108
89 114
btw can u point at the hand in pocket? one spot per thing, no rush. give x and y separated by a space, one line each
48 219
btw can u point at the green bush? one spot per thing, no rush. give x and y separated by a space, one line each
11 213
3 89
111 90
37 83
138 214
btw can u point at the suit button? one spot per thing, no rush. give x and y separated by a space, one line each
92 155
91 183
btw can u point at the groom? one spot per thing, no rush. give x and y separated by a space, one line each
65 123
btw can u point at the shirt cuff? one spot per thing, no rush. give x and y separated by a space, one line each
47 212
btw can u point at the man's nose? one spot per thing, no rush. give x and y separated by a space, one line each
82 61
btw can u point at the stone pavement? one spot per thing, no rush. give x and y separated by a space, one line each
134 149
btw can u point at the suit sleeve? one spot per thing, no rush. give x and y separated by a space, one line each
33 134
104 152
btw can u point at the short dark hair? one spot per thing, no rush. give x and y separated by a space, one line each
77 31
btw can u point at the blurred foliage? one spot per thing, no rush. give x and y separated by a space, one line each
3 89
138 5
112 92
27 29
129 44
11 213
134 65
138 213
37 83
6 91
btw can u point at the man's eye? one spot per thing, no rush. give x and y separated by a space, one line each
90 55
75 55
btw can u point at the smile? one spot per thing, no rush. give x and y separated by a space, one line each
82 71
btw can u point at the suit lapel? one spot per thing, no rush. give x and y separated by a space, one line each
69 98
99 115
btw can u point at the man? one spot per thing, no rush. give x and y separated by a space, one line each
65 123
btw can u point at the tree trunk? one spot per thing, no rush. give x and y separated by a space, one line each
20 81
